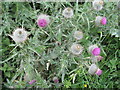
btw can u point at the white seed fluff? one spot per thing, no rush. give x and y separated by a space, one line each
92 69
98 20
97 4
76 49
19 35
78 35
67 12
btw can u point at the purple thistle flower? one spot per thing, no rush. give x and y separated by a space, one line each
31 82
104 21
98 72
96 51
42 23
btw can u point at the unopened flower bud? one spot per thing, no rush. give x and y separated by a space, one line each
55 79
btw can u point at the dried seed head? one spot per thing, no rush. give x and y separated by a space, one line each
92 69
78 35
67 12
98 20
76 49
97 4
19 35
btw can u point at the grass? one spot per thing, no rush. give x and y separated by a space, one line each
51 44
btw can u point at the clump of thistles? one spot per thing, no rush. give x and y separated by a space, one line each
100 21
94 50
67 12
97 4
78 35
76 49
55 80
19 35
43 20
93 69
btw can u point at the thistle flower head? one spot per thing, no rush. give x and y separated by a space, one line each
97 4
19 35
100 21
76 49
43 20
98 72
67 12
92 69
55 79
78 35
91 47
104 21
94 50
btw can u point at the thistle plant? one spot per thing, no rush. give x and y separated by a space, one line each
61 45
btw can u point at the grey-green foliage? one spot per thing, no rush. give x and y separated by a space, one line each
51 44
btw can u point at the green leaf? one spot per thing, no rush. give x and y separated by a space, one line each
7 74
67 84
10 68
38 49
9 58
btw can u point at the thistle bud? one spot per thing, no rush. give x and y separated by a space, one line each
55 79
